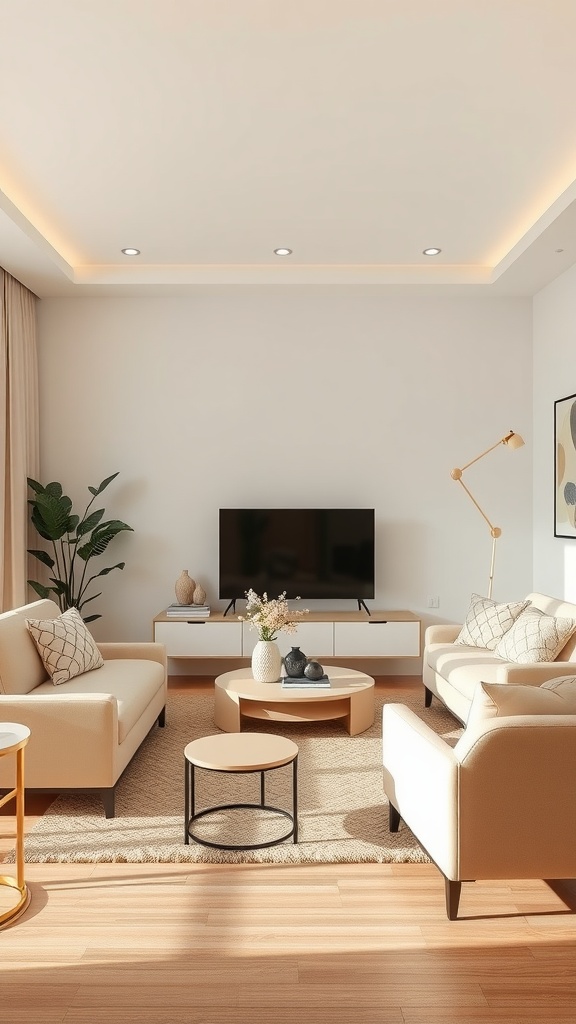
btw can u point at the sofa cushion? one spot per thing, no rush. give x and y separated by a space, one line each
134 683
500 700
65 645
535 636
487 622
463 667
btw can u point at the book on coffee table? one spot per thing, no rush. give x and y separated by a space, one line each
301 682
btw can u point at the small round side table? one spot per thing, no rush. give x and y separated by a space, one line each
239 753
13 739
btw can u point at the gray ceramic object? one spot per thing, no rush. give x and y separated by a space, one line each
294 663
313 670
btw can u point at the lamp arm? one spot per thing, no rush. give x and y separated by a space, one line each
481 456
493 528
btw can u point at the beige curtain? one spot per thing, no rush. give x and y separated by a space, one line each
19 433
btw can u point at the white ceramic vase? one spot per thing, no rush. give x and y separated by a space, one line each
266 662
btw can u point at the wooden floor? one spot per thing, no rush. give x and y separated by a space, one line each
276 944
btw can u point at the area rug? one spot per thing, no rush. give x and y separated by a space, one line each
343 813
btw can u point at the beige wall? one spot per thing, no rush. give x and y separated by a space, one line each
293 396
554 377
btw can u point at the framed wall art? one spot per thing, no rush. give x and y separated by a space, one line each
565 467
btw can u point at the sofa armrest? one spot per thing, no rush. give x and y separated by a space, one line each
67 731
146 650
442 633
534 674
421 775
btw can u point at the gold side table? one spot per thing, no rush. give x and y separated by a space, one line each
13 739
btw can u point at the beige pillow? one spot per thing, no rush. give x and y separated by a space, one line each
487 622
535 636
65 645
499 700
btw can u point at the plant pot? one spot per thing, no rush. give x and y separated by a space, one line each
266 662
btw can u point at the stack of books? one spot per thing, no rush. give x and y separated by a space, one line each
301 683
188 611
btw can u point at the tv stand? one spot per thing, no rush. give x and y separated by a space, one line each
231 605
362 604
341 635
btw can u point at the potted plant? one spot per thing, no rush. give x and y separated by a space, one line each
75 540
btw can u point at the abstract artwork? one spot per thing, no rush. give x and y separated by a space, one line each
565 467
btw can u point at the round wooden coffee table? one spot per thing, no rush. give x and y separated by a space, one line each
245 754
349 697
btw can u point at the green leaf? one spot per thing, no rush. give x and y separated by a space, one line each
104 572
42 556
51 515
73 523
88 599
101 538
59 586
55 489
90 618
35 485
90 523
40 589
103 485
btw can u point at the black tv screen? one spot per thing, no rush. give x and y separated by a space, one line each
310 553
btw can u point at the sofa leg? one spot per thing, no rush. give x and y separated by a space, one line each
427 697
393 818
108 799
453 890
162 718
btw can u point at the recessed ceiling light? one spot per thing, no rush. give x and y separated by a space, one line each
282 252
431 252
131 252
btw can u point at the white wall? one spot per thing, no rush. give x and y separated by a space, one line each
554 377
293 396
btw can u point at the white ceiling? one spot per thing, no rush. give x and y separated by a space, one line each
356 132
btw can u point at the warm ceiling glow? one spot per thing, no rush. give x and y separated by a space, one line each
431 252
131 252
282 252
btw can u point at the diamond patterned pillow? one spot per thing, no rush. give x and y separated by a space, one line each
487 622
65 645
535 636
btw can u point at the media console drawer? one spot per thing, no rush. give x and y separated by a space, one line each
203 639
377 638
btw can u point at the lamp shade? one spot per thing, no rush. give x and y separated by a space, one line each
513 440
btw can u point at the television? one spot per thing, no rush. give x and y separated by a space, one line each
323 553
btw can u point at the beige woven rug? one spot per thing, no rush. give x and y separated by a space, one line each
343 814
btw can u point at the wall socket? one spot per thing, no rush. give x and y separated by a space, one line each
434 602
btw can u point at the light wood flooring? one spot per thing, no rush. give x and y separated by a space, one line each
275 944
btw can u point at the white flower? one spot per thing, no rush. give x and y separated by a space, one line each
270 616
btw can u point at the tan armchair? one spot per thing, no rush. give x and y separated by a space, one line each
500 804
84 732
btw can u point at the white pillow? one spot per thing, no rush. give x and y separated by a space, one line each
535 636
487 622
65 645
499 700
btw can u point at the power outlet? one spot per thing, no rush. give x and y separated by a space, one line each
433 602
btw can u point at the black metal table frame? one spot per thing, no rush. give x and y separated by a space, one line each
191 815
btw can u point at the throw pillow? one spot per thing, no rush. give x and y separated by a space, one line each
65 645
499 700
535 636
487 622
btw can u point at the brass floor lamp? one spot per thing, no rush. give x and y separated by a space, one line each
511 440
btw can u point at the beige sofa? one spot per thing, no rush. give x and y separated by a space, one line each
451 671
85 731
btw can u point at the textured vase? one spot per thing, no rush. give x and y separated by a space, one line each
184 588
266 662
199 596
294 663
